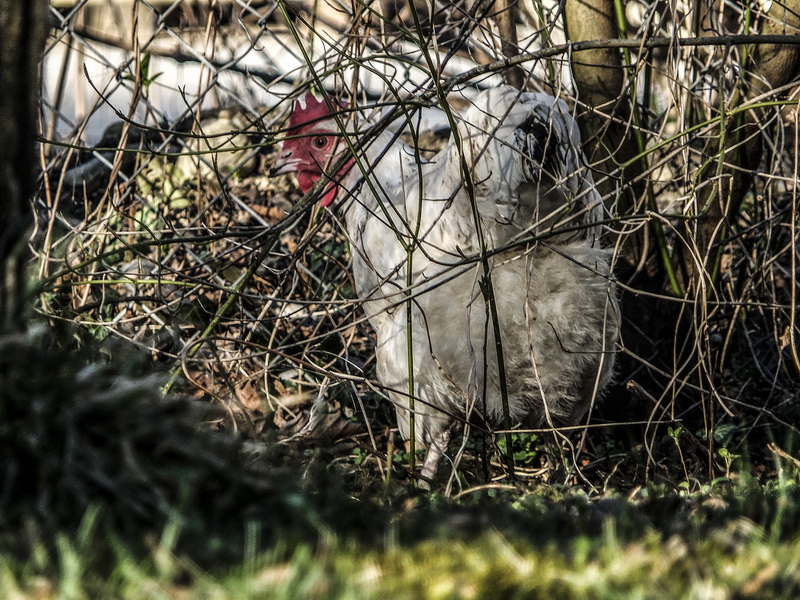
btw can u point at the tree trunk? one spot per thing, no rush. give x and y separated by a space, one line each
506 19
773 65
603 116
779 63
24 29
598 73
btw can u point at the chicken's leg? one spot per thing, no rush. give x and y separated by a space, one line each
435 452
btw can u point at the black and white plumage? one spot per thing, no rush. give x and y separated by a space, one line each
510 186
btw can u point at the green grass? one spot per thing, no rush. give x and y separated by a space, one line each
732 540
698 546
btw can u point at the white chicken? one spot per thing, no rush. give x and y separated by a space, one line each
495 234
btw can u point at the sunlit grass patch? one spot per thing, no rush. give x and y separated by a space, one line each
738 560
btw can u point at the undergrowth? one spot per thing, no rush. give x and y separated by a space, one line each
112 490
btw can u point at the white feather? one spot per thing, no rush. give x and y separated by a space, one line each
556 307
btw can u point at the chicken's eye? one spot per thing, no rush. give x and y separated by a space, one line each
320 142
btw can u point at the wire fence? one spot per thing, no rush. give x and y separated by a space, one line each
157 222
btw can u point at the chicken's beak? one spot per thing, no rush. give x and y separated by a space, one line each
285 163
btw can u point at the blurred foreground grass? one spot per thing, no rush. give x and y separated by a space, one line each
629 555
110 490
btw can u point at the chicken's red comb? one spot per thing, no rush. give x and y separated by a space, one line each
307 109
